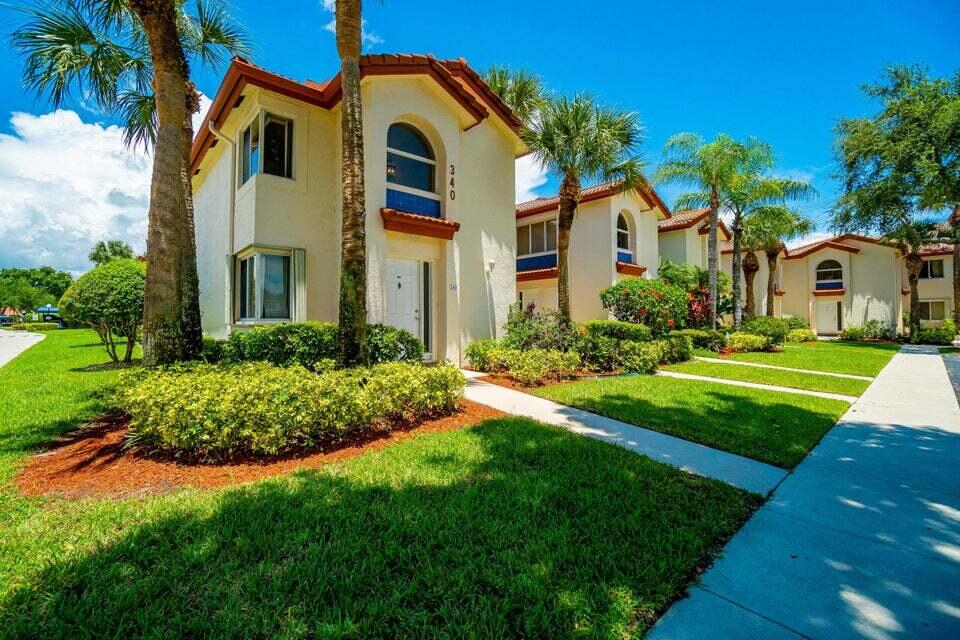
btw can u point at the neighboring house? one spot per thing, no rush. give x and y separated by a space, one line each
935 286
760 280
439 151
684 237
614 236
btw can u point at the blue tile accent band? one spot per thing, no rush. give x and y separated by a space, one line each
547 261
403 201
624 257
822 286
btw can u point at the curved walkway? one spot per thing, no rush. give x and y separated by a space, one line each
13 343
691 457
862 540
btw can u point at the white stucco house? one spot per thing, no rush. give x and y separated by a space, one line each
684 237
935 285
439 151
614 236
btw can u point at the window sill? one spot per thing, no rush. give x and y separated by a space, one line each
630 269
264 321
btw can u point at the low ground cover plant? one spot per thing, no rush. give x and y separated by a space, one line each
801 335
654 303
769 327
742 342
34 326
211 411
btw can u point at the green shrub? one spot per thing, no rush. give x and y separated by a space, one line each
389 344
639 357
654 303
480 354
852 332
536 366
617 329
801 335
598 351
772 328
794 322
749 342
109 298
703 338
34 326
213 349
876 330
936 335
529 328
675 349
211 411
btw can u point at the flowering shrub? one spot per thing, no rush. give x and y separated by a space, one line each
801 335
749 342
210 410
654 303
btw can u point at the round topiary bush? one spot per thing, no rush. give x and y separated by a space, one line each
655 303
772 328
109 298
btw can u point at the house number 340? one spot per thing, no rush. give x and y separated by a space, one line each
453 184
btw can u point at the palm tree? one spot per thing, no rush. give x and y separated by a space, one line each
104 251
748 190
707 167
352 347
130 58
577 140
521 90
767 229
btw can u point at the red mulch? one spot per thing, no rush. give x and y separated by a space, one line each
91 462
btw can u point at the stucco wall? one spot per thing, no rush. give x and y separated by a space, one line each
931 289
673 246
759 282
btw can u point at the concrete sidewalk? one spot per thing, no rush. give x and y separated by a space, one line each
692 457
757 385
13 343
862 540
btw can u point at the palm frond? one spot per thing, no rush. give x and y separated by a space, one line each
211 34
522 91
138 112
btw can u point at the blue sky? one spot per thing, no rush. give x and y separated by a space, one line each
784 72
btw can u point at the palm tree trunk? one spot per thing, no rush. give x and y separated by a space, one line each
352 347
955 224
914 265
171 314
569 197
737 259
771 279
712 253
750 267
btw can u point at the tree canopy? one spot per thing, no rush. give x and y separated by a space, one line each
107 250
27 289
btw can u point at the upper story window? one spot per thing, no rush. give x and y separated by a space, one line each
931 269
829 275
623 234
537 238
410 160
267 147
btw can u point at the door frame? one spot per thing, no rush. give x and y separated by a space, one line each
426 304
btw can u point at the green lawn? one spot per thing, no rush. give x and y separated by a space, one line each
778 428
504 529
809 381
856 358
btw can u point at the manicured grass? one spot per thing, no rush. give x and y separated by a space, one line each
809 381
505 529
856 358
778 428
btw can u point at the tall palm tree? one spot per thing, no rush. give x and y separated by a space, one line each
130 58
577 140
352 347
767 229
750 190
521 90
708 168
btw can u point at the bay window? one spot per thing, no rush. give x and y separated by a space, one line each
267 147
267 282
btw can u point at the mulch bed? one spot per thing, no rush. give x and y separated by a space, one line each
510 383
92 463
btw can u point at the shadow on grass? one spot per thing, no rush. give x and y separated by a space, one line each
502 530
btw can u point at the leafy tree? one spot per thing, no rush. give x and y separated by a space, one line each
895 172
130 58
46 279
708 168
521 90
109 298
578 140
767 229
352 336
106 250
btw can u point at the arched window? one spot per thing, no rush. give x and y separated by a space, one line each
411 171
829 275
624 245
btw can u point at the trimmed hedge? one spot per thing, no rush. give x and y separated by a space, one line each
310 343
749 342
703 338
801 335
618 330
211 411
772 328
34 326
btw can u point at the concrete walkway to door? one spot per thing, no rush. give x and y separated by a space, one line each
862 540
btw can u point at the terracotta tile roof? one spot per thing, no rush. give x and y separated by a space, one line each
414 223
589 194
327 94
939 249
836 242
683 219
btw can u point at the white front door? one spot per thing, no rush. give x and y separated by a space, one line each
404 297
828 317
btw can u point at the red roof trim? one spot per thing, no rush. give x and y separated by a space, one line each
937 251
418 225
825 244
630 269
537 274
589 194
460 69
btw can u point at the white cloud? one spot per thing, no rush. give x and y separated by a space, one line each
530 175
365 34
67 184
198 117
816 236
